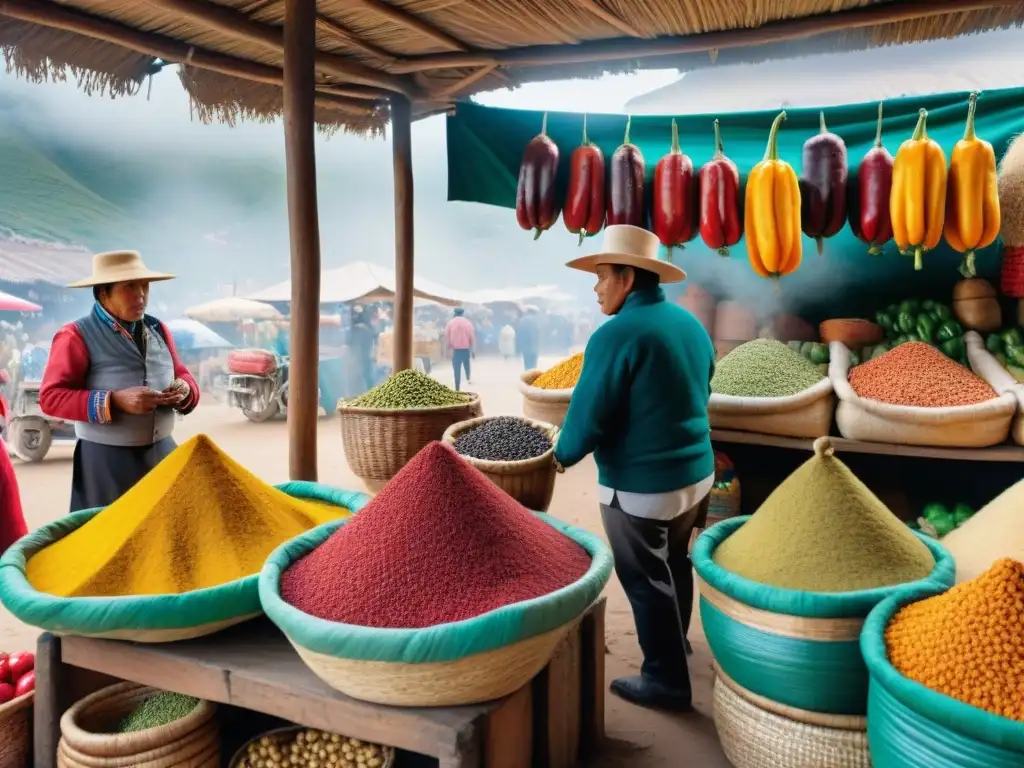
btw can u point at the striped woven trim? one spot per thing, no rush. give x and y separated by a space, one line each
99 407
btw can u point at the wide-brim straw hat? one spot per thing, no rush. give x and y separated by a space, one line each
119 267
631 247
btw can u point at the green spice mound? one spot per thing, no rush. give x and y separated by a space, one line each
164 708
408 389
764 368
823 530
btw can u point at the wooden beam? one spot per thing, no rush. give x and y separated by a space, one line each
304 235
53 16
609 18
401 148
451 89
363 92
620 49
351 39
238 26
410 21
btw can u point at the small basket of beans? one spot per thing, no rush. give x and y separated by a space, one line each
296 747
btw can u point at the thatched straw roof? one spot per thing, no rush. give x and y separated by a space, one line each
437 51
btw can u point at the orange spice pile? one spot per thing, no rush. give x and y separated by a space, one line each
967 643
917 374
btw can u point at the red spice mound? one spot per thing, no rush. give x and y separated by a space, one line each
439 543
916 373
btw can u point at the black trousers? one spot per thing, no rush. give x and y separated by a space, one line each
652 562
102 473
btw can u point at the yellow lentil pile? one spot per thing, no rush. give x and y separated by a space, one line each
823 530
967 643
561 376
198 519
995 531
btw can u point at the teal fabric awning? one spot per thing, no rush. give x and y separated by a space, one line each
485 146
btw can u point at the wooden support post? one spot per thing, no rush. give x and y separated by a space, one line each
304 232
401 148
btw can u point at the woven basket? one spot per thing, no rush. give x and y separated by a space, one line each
752 737
805 414
283 733
378 442
87 740
531 482
469 680
547 405
964 426
16 731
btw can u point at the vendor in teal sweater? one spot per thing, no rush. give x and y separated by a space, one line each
641 407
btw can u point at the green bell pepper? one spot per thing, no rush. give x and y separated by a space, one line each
912 337
906 322
1015 356
927 305
961 514
950 329
884 320
925 328
994 343
819 354
1012 338
940 518
880 350
942 311
910 306
954 348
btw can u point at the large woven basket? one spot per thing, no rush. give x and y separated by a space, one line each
530 482
16 731
87 741
753 737
378 442
287 732
547 405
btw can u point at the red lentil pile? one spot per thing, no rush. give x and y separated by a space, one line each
439 543
920 375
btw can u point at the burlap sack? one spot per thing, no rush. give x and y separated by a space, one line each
805 414
1000 379
965 426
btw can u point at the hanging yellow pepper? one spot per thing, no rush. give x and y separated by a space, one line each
917 204
772 225
972 199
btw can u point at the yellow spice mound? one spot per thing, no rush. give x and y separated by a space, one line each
198 519
564 375
967 643
995 531
823 530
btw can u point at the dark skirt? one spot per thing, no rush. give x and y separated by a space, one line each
103 473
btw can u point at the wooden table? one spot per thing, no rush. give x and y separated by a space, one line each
548 723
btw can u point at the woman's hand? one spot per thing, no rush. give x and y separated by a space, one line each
140 400
179 390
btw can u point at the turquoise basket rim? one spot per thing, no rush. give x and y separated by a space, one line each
429 644
143 612
941 709
795 602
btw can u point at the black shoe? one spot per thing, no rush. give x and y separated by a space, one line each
650 693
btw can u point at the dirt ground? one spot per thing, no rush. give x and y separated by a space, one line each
638 737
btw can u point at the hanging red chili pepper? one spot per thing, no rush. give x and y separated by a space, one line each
674 210
823 185
719 184
869 203
536 201
626 196
584 200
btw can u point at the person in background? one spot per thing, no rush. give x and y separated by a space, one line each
116 374
360 338
12 519
528 338
460 338
507 341
641 407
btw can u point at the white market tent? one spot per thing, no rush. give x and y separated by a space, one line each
513 295
361 281
232 310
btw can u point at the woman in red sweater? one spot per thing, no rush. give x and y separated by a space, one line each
12 521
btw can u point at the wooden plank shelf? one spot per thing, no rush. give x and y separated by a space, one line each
1005 452
548 723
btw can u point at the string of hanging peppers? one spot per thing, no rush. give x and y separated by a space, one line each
914 199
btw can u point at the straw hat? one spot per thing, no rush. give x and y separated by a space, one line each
631 247
119 267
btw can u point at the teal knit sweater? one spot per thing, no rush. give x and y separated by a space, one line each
641 403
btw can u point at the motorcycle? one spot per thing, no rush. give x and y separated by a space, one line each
258 384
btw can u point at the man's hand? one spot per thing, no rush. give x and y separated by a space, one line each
178 390
141 400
